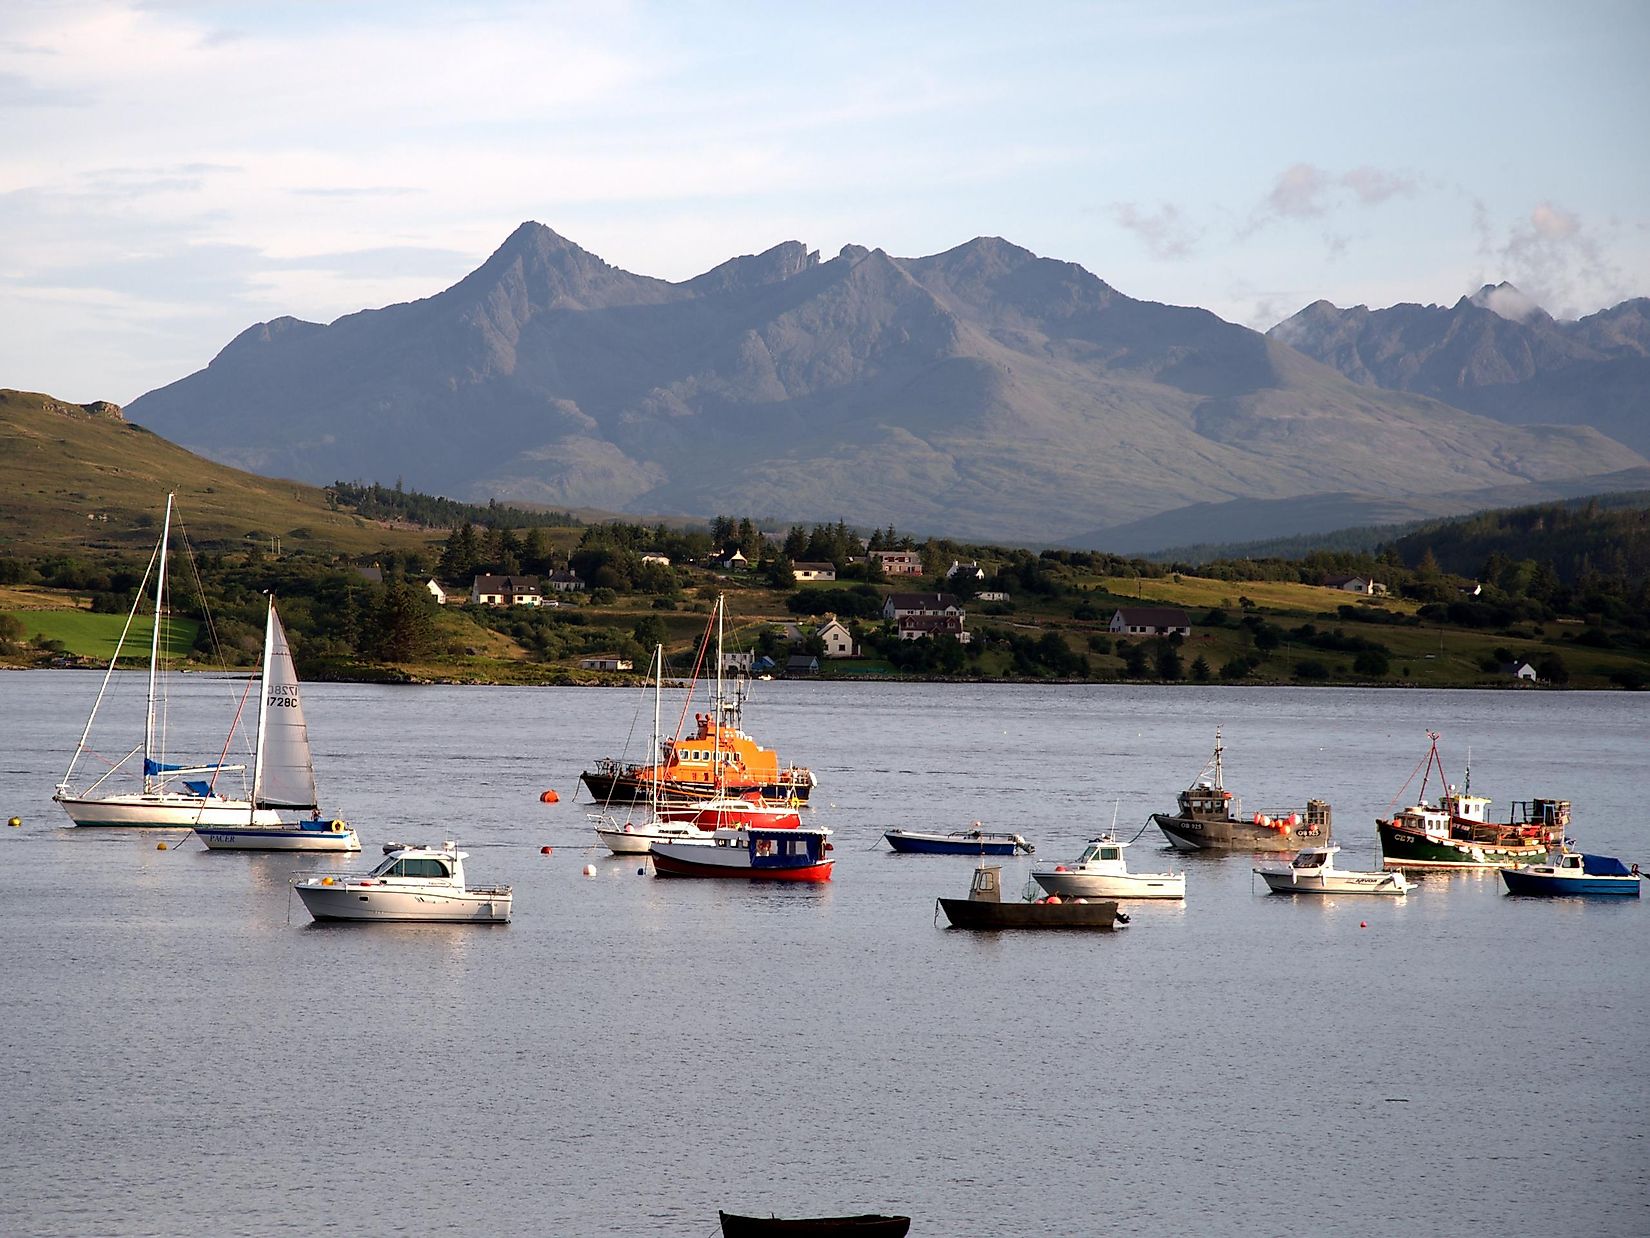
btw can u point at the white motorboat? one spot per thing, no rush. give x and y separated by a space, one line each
283 770
169 795
1100 872
1313 871
413 882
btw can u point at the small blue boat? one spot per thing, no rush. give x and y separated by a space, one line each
1571 873
959 842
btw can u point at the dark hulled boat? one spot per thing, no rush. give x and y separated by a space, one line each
1209 819
984 908
869 1225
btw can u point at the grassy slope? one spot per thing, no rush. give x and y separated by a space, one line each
89 635
61 463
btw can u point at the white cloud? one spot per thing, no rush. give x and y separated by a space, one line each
1165 232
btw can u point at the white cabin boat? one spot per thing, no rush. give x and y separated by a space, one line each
1100 872
413 882
1313 871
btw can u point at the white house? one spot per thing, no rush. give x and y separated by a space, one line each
839 642
443 593
1150 621
734 558
737 662
991 595
606 662
506 591
1519 670
564 582
970 568
813 571
658 559
899 605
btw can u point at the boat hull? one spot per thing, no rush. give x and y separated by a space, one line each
1401 848
1338 883
165 812
967 913
1545 885
939 844
637 840
278 838
608 788
869 1226
698 859
1226 834
1097 885
352 901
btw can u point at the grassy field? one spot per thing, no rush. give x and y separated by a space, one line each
1199 593
89 635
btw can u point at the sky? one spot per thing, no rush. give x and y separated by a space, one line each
171 173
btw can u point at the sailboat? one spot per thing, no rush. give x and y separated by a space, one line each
171 795
283 771
633 838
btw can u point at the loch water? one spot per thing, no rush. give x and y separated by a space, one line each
185 1053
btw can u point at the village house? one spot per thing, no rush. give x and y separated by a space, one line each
651 558
991 595
734 558
801 664
606 662
813 571
1355 584
839 641
443 593
1519 670
505 591
899 605
737 662
564 582
919 627
971 568
1150 621
898 562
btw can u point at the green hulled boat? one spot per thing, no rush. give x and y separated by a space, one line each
1456 832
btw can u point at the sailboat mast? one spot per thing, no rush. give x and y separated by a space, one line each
1219 750
263 712
721 606
149 754
658 689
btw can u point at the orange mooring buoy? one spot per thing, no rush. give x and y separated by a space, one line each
549 797
547 850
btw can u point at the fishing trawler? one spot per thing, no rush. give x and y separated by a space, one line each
719 760
1210 819
1456 832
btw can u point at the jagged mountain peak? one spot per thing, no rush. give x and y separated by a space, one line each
772 266
1506 301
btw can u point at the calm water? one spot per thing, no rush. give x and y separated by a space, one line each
185 1053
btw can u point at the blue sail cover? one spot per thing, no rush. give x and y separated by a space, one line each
1604 866
151 768
202 789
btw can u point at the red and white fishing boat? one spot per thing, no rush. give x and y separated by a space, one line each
797 853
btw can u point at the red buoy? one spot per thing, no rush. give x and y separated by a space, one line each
1363 923
549 797
546 850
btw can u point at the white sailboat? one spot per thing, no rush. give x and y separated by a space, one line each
170 795
283 771
636 838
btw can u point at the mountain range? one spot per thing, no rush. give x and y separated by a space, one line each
1496 353
983 392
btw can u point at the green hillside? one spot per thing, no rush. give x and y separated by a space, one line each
80 478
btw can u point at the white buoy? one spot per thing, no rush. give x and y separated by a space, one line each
589 870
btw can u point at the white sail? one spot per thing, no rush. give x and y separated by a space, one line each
285 775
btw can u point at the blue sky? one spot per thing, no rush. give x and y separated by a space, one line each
172 173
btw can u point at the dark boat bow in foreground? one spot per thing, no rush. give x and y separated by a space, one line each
867 1226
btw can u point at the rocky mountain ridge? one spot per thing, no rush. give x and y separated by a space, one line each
984 392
